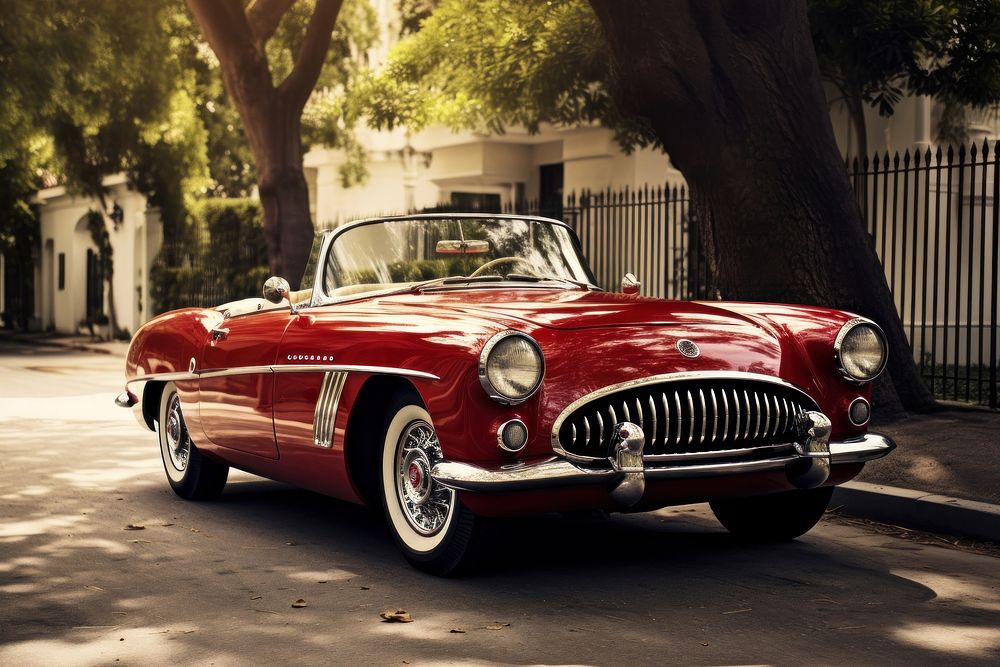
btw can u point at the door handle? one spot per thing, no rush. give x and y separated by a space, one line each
218 334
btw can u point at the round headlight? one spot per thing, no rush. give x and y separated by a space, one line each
860 350
511 367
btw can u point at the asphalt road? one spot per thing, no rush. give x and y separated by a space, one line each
214 583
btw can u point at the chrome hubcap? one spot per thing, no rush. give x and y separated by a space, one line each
178 441
425 504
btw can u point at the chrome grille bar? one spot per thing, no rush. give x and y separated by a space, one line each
712 419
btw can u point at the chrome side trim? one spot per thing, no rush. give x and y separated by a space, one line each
558 472
664 378
325 417
284 368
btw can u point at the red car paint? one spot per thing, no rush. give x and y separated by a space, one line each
263 422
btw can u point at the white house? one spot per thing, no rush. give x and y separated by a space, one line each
68 290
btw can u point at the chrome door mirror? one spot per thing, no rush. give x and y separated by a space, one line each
276 289
630 284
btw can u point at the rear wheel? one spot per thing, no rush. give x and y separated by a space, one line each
432 527
776 517
190 474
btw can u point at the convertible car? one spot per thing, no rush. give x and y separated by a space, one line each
452 368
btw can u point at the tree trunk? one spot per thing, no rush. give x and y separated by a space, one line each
732 91
271 115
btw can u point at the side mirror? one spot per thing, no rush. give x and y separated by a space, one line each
630 284
276 289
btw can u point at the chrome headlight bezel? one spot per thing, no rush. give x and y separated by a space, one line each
484 359
838 344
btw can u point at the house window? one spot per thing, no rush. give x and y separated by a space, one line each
62 271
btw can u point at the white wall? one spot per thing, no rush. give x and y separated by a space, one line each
135 244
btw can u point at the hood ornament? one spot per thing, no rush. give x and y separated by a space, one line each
688 348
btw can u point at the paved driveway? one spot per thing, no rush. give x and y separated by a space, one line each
214 583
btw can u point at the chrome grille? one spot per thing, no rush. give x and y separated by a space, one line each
688 417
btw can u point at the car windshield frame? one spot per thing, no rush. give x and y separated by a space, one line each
320 296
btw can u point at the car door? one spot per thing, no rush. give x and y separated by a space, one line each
237 384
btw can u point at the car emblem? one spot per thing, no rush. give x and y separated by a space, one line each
688 348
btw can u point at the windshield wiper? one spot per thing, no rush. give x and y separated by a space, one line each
453 280
527 277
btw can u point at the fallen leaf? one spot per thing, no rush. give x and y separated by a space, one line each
457 631
290 544
366 588
497 626
396 616
135 526
256 597
195 530
94 588
321 581
298 604
140 541
118 613
704 643
166 524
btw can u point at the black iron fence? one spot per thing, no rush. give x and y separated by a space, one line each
933 218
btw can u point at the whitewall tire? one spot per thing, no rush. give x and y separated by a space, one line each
189 473
432 527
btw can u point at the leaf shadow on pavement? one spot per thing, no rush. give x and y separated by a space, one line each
215 581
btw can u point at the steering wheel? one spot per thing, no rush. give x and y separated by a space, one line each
500 261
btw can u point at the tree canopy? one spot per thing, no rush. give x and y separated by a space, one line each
517 62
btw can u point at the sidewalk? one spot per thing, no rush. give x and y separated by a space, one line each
944 475
79 343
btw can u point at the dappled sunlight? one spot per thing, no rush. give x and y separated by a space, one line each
39 526
109 475
956 588
65 547
27 492
967 640
85 408
320 575
141 645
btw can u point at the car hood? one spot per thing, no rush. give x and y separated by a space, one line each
571 309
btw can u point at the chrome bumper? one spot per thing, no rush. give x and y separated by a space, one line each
626 474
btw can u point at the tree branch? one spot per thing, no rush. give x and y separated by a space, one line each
264 17
225 27
298 85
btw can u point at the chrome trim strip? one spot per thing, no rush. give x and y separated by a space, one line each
325 416
715 453
557 472
284 368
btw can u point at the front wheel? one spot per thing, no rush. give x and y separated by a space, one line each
432 527
191 475
776 517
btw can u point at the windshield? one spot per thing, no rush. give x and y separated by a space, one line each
395 253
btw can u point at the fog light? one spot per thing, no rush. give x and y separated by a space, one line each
512 436
859 412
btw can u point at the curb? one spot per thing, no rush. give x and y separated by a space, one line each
919 510
51 342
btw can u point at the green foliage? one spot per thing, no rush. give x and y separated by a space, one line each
509 62
878 50
220 256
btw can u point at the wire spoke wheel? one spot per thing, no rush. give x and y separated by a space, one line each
175 431
425 505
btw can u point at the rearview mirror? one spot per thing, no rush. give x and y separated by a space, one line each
459 247
276 289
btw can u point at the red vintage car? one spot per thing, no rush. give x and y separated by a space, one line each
452 368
